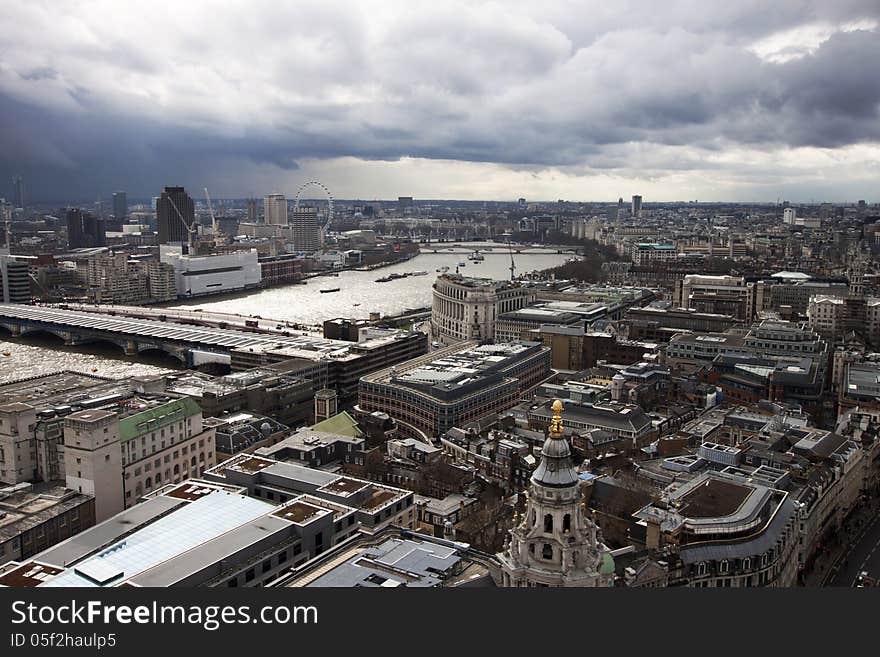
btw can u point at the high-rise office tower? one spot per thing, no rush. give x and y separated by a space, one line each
306 233
636 205
275 210
120 206
252 210
5 226
84 230
176 215
17 192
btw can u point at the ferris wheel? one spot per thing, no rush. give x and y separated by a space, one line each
316 183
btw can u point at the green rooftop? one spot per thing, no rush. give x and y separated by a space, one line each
156 418
342 424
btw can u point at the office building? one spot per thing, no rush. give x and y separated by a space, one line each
175 216
84 230
190 534
15 281
826 315
335 364
274 210
17 191
467 308
252 211
305 231
636 205
120 456
511 326
725 531
627 422
646 253
120 206
396 558
375 506
661 324
284 397
33 518
455 385
722 295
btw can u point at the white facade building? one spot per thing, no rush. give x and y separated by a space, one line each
827 315
197 275
466 308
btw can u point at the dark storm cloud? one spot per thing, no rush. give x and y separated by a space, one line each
136 105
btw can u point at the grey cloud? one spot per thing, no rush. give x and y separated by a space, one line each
567 86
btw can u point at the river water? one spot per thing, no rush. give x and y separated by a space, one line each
35 356
358 296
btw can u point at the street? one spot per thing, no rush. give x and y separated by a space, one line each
863 553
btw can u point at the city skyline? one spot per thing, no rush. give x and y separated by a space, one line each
471 101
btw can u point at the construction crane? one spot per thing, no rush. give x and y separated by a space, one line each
191 230
512 263
211 211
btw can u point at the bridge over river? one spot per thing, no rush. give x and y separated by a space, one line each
192 345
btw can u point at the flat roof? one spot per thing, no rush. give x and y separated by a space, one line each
714 498
184 525
394 562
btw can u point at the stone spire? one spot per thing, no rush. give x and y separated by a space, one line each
556 542
556 469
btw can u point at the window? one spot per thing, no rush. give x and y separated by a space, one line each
547 551
566 522
249 575
548 524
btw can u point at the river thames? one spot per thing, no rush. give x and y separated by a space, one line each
358 296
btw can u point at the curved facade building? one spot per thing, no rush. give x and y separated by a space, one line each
466 308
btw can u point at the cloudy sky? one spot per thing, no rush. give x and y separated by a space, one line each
734 100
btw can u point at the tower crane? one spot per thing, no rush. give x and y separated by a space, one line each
211 212
512 263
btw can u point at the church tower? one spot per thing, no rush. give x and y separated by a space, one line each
556 543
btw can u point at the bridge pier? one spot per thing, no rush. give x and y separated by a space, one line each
131 348
15 329
69 339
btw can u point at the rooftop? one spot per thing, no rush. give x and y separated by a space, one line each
156 418
150 534
394 562
26 506
714 498
341 424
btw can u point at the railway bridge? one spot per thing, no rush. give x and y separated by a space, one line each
192 345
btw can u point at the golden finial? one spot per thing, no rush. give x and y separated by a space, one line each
556 422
